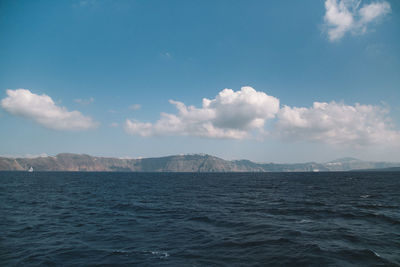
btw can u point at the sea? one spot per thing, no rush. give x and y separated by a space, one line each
199 219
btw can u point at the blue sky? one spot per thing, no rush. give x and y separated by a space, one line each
97 75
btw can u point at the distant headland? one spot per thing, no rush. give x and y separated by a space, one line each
180 163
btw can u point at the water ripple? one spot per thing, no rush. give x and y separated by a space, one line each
190 219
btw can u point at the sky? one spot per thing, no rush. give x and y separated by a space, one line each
269 81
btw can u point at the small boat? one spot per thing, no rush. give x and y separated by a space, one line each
30 169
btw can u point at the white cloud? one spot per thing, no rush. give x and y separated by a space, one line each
243 114
344 16
135 107
372 11
166 55
43 110
84 102
230 115
337 123
84 3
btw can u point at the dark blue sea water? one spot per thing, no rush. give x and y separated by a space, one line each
191 219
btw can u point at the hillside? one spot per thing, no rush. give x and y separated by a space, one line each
177 163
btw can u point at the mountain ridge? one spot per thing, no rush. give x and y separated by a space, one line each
178 163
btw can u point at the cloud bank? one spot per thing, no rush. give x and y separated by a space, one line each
337 123
229 115
43 110
344 16
243 114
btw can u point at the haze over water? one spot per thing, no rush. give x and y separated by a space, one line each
192 219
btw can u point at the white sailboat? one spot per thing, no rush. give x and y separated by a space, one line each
30 169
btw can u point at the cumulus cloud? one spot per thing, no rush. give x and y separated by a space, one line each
135 107
337 123
344 16
84 102
229 115
243 114
43 110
